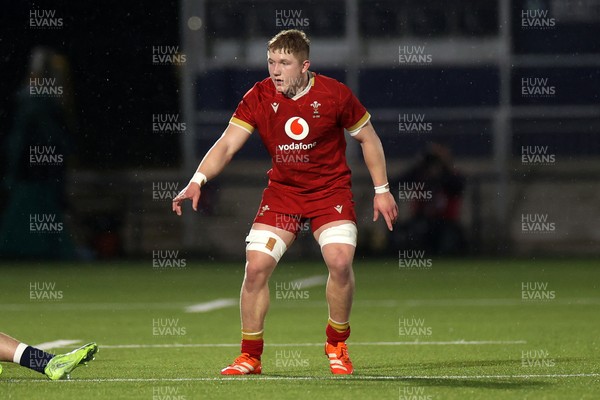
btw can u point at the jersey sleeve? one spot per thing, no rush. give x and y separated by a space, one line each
243 116
353 114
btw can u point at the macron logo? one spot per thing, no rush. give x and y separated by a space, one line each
275 107
338 208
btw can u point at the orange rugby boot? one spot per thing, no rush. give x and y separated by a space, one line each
243 365
339 360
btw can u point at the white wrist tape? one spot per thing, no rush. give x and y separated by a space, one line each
382 189
199 178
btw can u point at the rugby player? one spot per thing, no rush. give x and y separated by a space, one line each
300 116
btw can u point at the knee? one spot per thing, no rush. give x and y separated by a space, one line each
340 265
258 270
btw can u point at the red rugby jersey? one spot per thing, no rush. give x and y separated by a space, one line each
304 135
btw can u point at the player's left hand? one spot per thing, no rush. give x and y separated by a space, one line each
385 204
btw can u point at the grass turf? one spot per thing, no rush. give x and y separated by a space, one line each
513 348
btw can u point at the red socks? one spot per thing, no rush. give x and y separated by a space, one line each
253 343
253 347
334 336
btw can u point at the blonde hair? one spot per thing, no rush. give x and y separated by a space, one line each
291 41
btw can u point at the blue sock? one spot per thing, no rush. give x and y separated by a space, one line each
35 359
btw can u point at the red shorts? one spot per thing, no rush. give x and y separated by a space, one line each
292 212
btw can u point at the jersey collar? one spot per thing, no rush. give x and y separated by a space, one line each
311 82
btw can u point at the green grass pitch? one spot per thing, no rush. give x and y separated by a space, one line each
451 329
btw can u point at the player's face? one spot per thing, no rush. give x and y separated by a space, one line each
287 72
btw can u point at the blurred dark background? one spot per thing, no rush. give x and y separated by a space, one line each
115 85
121 170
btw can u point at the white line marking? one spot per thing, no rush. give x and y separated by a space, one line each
441 343
56 344
311 378
415 343
312 281
211 305
499 302
91 306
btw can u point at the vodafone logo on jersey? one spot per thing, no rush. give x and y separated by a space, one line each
296 128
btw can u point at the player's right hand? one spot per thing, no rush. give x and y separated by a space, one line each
192 192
